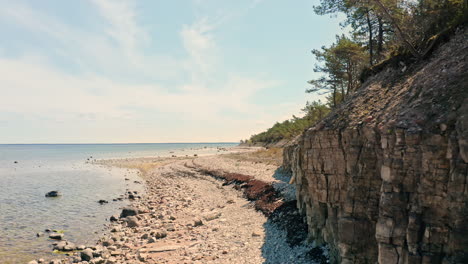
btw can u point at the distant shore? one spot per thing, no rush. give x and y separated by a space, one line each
223 208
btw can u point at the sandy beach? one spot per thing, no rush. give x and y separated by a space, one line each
224 208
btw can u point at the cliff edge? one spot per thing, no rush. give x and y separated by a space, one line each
385 176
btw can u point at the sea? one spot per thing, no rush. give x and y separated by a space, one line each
29 171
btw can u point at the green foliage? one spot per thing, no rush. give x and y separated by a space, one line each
341 64
290 128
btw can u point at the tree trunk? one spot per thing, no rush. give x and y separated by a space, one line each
334 97
371 46
380 38
398 30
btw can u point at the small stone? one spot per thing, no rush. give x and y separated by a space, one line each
102 202
39 234
87 254
160 234
98 260
108 242
33 262
53 194
113 218
132 221
128 211
197 222
211 216
56 236
256 234
80 247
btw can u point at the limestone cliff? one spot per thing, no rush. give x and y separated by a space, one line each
385 177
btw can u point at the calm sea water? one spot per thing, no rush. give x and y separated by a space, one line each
25 211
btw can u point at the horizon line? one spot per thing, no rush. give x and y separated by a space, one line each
128 143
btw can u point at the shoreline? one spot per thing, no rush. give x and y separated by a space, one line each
192 213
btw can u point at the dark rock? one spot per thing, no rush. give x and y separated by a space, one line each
87 254
102 202
16 162
53 194
113 218
39 234
128 211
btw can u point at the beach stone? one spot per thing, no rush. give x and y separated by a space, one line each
41 260
39 234
98 260
111 260
87 254
116 229
33 262
108 242
53 194
197 222
211 216
113 218
132 221
128 211
55 261
80 247
56 236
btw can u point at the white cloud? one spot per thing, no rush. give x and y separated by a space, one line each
33 85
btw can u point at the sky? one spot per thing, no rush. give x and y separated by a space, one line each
112 71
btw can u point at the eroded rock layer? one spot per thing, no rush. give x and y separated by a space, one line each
384 177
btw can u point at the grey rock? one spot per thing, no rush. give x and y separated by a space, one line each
87 254
132 221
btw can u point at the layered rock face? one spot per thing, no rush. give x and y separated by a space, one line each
384 178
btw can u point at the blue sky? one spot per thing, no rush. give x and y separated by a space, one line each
116 71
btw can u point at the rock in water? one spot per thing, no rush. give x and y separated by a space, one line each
56 236
53 194
128 211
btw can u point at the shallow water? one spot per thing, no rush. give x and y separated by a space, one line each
25 211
